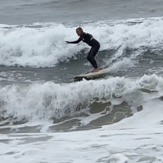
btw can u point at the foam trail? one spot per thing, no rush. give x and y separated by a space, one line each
124 64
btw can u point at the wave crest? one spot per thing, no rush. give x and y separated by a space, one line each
44 45
49 100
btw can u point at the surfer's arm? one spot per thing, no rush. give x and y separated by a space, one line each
74 42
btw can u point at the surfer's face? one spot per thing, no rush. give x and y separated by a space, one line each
79 32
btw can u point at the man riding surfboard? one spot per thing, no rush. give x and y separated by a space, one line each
95 46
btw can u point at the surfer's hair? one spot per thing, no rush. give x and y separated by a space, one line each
79 29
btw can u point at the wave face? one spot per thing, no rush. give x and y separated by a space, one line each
43 45
57 101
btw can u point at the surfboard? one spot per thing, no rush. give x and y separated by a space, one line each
92 75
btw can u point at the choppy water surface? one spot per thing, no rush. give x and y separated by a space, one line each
47 117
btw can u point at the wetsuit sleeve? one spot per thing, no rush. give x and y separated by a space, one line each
90 35
75 42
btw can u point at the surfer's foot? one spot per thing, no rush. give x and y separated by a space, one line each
95 70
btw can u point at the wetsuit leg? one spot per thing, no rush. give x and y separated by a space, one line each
92 54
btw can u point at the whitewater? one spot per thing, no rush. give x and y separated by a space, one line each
134 139
48 48
47 117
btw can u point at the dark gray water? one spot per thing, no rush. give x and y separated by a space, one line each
30 11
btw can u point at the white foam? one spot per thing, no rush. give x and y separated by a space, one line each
45 46
124 64
118 158
49 100
135 139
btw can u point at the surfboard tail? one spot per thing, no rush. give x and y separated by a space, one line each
92 75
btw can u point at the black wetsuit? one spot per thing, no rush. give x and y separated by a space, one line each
88 38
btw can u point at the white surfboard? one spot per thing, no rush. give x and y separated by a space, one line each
92 75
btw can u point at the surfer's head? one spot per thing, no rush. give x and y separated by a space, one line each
79 31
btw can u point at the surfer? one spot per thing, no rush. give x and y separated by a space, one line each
95 46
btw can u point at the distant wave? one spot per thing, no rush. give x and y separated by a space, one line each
43 45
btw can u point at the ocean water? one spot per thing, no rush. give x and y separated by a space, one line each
46 117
